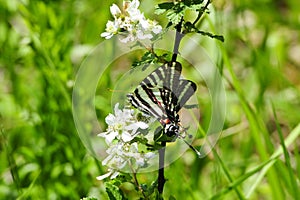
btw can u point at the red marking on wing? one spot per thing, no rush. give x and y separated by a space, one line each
162 121
165 121
158 102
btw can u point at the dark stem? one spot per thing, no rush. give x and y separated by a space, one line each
201 12
161 176
178 38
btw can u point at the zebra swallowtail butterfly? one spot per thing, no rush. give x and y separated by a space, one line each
162 94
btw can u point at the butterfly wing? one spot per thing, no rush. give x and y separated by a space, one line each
162 93
183 92
175 91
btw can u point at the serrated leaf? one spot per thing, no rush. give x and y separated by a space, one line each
176 14
159 11
175 17
195 7
113 192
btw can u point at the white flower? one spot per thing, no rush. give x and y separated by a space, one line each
154 27
122 126
142 159
111 29
127 37
109 136
143 35
115 11
122 152
126 24
135 126
116 156
131 23
145 24
131 8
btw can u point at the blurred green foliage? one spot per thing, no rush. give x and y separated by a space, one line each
42 44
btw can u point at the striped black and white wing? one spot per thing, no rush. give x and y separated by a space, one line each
162 93
185 89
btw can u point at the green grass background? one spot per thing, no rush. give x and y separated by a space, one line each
42 44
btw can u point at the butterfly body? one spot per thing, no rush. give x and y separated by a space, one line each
162 94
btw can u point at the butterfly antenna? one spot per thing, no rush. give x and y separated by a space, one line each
193 148
119 91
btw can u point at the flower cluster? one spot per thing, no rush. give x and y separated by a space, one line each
130 23
123 127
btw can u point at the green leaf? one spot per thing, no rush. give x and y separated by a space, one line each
175 17
169 25
89 198
163 7
176 14
152 188
175 11
293 179
172 197
165 138
114 192
157 134
189 27
166 5
192 2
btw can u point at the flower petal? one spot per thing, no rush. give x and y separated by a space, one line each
117 110
145 24
126 137
107 159
142 35
114 175
136 125
134 5
110 137
106 35
128 38
110 119
134 147
102 134
103 176
157 29
142 125
115 10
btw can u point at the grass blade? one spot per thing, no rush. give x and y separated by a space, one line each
287 157
288 141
